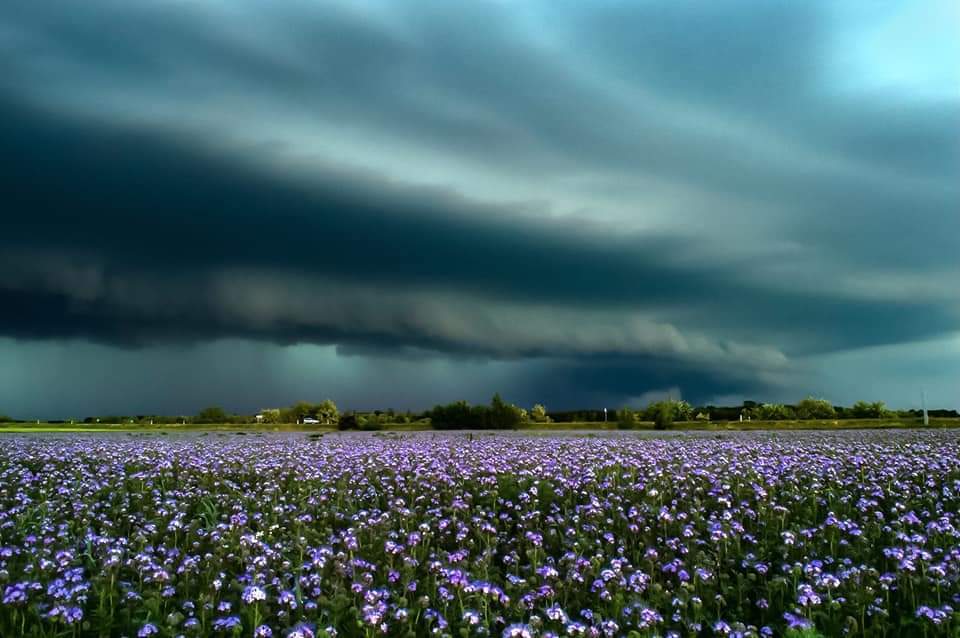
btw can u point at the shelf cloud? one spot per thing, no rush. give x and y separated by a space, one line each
603 199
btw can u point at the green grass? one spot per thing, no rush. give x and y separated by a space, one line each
718 426
822 424
819 424
574 425
159 427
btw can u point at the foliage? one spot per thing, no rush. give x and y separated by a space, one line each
679 410
682 411
504 415
456 414
462 415
213 414
347 421
327 412
538 414
579 416
811 408
626 419
370 422
663 418
297 412
270 415
864 410
771 412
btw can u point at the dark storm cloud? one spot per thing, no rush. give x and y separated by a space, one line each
638 193
611 379
137 203
137 213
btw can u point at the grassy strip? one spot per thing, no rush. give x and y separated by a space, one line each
165 427
822 424
846 424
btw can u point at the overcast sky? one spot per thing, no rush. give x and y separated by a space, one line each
395 204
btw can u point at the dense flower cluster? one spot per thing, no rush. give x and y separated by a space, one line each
497 535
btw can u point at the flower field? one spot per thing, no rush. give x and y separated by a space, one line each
283 535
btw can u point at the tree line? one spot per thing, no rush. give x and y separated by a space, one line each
500 414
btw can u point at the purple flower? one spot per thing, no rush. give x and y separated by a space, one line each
796 622
807 597
471 617
15 594
227 623
302 631
517 630
253 594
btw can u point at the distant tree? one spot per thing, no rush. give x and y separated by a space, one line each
626 419
772 412
480 417
539 414
453 415
327 412
578 416
213 414
811 408
5 419
722 413
347 422
664 416
371 422
271 415
864 410
504 415
859 410
679 410
301 410
938 413
459 415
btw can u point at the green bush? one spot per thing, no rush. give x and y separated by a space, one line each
663 419
875 410
539 414
811 408
626 419
213 414
347 422
772 412
499 415
679 410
